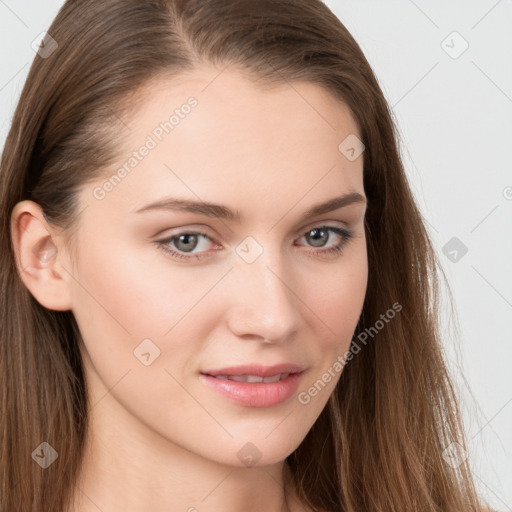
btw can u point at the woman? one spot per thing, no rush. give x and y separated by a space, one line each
289 358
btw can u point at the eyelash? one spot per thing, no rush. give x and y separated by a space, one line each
337 249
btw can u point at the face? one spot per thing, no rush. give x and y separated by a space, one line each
165 296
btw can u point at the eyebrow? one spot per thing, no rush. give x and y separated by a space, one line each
223 212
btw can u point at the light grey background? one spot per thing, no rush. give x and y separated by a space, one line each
454 113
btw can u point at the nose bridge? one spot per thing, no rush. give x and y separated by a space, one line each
263 303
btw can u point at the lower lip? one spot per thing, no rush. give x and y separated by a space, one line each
255 394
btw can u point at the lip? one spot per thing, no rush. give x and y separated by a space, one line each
256 369
256 394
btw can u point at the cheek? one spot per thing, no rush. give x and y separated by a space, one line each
338 299
136 295
126 308
122 298
338 304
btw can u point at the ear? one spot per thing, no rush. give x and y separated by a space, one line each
41 258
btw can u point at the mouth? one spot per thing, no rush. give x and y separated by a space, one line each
256 371
253 385
252 378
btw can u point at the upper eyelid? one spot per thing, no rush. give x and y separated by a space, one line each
302 231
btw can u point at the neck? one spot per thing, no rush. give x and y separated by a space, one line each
129 467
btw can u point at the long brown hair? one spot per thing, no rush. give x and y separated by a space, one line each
378 445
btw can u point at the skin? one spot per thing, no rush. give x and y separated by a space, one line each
160 439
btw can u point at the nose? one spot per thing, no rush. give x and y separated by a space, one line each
263 302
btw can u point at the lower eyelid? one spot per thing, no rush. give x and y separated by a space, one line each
164 244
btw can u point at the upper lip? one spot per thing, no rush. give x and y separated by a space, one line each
256 369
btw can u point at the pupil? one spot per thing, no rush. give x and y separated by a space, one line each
186 239
319 238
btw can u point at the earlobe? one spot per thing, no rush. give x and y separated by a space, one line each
37 255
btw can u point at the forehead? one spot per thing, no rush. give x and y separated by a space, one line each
213 134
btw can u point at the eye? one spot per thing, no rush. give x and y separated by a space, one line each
189 245
185 243
321 235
